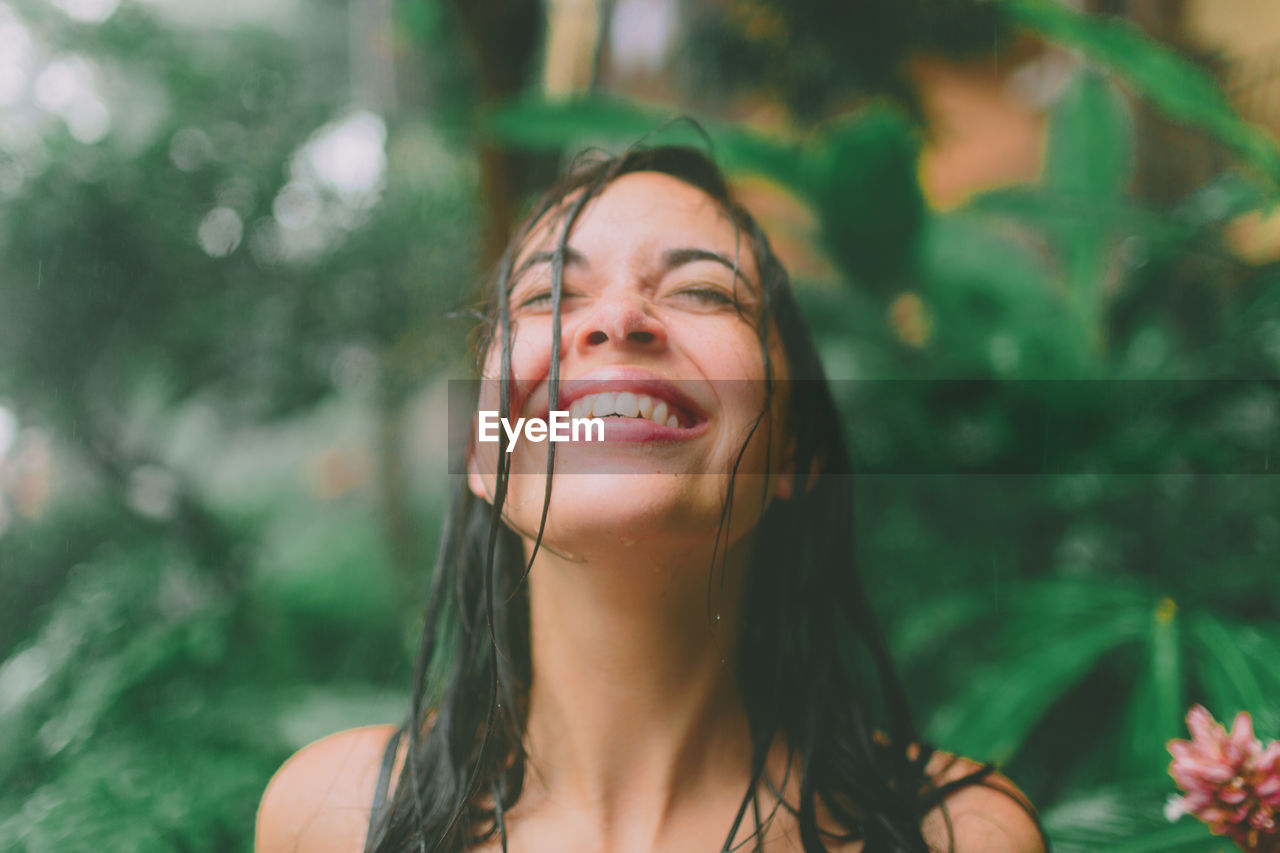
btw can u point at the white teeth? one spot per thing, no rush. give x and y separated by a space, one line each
627 405
604 404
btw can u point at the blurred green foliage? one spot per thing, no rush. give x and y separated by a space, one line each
218 330
814 55
224 343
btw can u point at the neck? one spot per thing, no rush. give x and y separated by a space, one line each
634 706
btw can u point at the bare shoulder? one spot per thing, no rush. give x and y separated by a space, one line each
991 816
319 800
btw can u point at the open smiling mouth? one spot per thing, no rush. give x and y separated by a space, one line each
629 416
629 405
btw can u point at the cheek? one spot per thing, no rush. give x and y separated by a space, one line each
530 349
721 350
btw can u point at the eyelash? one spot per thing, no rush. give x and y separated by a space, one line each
703 294
538 297
717 296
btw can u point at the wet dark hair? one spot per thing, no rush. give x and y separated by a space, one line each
813 665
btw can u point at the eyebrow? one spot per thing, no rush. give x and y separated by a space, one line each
671 259
572 258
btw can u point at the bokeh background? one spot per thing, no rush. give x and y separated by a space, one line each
235 238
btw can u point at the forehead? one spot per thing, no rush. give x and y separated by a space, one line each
641 212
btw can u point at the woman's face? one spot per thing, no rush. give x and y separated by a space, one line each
648 323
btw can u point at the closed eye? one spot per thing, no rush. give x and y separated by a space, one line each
707 295
544 299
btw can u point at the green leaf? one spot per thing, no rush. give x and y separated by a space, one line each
1172 85
142 790
928 626
99 690
983 285
1165 649
1058 634
1188 837
1090 147
1158 705
1232 663
865 186
1054 214
597 120
1089 165
1128 818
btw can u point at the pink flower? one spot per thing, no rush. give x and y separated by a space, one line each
1230 781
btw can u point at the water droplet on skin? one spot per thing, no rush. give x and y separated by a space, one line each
627 543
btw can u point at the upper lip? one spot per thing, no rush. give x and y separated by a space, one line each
634 379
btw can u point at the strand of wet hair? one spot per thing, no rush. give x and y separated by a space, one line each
754 795
553 393
426 650
725 523
499 815
726 514
500 493
553 384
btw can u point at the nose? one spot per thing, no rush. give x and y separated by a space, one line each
622 320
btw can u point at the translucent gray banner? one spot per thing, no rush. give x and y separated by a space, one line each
889 427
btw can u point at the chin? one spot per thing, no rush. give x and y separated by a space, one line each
598 513
589 509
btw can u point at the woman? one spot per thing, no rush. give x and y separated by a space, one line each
665 646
